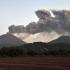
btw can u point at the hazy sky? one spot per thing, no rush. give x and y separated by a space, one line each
21 12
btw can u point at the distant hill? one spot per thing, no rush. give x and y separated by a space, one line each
62 39
10 40
62 42
56 47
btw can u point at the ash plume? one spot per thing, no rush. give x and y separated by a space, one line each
49 21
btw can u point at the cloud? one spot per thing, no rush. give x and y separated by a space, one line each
60 23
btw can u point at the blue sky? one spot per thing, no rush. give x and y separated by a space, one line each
22 12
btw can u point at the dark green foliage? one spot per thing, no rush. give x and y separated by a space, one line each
31 52
11 51
34 49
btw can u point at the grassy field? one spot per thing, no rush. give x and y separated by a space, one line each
35 63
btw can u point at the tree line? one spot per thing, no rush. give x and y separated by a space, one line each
29 50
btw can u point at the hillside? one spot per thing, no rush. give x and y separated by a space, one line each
10 40
62 39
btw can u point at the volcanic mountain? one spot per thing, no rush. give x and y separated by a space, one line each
10 40
62 39
52 25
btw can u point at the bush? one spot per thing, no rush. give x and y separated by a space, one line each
31 52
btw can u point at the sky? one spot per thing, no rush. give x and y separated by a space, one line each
22 12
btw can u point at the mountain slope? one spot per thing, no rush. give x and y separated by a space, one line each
62 39
10 40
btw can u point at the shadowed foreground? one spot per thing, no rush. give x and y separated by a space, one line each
35 63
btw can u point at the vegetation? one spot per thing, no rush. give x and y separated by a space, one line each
36 49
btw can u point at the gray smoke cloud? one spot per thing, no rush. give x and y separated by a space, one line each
52 20
16 29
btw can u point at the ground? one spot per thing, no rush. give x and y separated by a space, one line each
35 63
